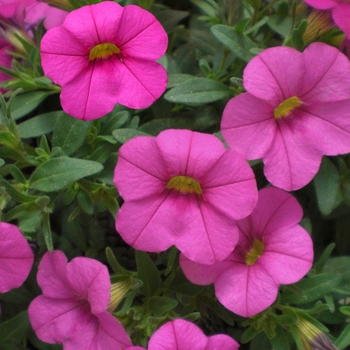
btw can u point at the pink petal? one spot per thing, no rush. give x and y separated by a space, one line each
202 274
94 24
136 178
291 162
90 280
221 342
52 277
16 257
248 125
327 126
341 16
56 320
155 229
322 4
145 39
328 80
246 290
203 240
63 57
275 209
288 254
178 335
141 82
230 186
103 332
266 76
189 153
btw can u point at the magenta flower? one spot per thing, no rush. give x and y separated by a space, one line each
72 309
16 257
184 335
272 250
340 12
295 110
183 188
5 60
105 54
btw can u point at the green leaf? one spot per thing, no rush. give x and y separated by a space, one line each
198 91
155 126
148 273
235 41
123 135
85 202
327 186
114 264
57 173
69 133
344 338
312 288
161 305
23 104
14 329
177 79
40 125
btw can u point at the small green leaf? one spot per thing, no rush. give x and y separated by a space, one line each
57 173
69 133
148 273
114 264
198 91
344 338
123 135
161 305
235 41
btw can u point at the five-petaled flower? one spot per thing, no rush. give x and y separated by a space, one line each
272 250
16 257
105 54
184 335
183 188
340 12
72 309
295 110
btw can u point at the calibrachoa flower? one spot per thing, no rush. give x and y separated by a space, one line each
272 250
5 59
340 12
183 188
295 110
105 54
72 309
184 335
16 257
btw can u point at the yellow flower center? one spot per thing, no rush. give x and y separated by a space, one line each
184 185
104 51
255 252
286 107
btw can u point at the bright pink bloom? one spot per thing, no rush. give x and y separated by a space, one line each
272 250
183 188
16 257
72 309
5 60
184 335
295 110
105 54
340 12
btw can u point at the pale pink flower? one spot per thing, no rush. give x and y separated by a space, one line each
183 188
184 335
72 309
105 54
295 110
340 12
16 257
272 250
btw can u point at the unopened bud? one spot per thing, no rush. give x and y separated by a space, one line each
319 22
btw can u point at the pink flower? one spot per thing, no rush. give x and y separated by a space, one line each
272 250
340 12
183 188
184 335
16 257
72 309
105 54
5 60
295 110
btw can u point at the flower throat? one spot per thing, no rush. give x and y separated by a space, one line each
103 51
285 108
184 184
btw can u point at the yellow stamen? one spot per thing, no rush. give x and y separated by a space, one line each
285 108
255 252
184 185
104 51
